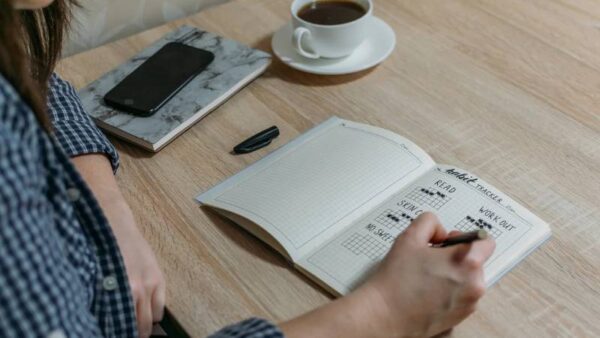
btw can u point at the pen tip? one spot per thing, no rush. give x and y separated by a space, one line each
482 234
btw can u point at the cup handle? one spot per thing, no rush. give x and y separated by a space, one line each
297 41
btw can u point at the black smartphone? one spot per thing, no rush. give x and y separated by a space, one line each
158 79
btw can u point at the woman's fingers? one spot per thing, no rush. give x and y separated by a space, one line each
149 297
459 252
467 261
144 316
480 251
425 229
454 233
470 255
158 302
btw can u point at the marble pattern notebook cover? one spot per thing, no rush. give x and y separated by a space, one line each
234 66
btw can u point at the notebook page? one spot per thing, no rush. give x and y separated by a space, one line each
312 188
462 202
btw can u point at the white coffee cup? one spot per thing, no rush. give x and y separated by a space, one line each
329 41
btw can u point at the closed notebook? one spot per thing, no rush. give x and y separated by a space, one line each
333 201
234 66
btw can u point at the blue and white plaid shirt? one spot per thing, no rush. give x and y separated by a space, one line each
61 272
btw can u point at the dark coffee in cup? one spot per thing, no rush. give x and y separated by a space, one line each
330 28
331 12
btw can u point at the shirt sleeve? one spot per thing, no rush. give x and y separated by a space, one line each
40 294
73 128
250 328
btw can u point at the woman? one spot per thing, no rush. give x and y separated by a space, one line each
72 262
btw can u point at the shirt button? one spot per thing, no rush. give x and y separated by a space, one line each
73 194
109 283
57 334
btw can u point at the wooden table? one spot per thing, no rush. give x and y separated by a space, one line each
508 89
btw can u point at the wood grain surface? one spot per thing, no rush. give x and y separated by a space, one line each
507 89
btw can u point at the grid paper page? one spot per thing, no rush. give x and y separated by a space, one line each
308 190
346 260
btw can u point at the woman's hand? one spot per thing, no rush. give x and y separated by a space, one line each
417 291
145 278
423 291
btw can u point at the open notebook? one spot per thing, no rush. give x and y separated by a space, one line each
334 199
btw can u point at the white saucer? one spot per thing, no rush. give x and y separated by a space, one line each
376 48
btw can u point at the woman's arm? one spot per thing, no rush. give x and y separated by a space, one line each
145 278
96 160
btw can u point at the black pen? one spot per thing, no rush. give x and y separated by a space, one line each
467 237
257 141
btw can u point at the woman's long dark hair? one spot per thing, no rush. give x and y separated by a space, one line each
30 45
